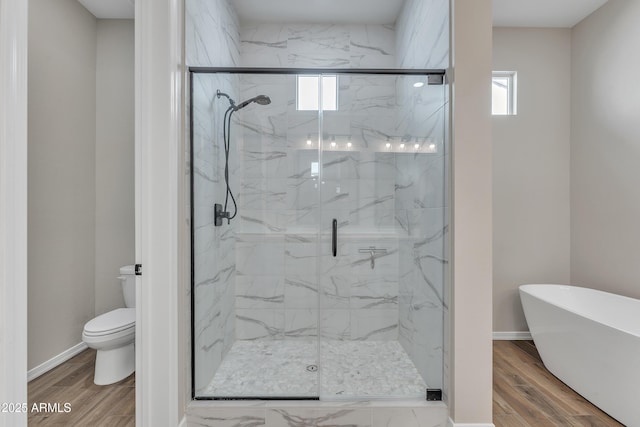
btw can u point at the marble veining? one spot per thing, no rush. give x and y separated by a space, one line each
211 32
422 34
346 369
214 247
318 414
317 45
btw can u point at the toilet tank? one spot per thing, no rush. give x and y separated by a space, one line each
128 281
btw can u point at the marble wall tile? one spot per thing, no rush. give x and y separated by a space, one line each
300 220
373 206
419 182
372 100
316 60
260 257
335 324
259 292
374 324
372 46
331 39
301 260
319 414
302 193
425 349
261 221
301 291
428 248
258 163
317 45
430 268
410 417
340 265
339 195
264 38
335 291
301 323
307 417
260 60
263 194
309 238
420 189
254 324
291 417
376 164
428 348
422 34
376 292
212 33
303 166
261 130
208 337
227 417
214 247
337 165
421 296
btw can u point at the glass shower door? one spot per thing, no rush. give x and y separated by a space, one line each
382 244
318 229
255 290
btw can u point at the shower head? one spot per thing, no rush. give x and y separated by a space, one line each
263 100
260 99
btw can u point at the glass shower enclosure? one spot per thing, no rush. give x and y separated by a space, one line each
318 216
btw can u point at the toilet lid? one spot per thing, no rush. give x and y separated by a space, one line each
111 322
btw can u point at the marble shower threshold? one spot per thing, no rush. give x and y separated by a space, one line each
346 370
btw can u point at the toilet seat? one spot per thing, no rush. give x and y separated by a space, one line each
112 322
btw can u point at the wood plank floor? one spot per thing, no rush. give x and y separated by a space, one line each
91 405
526 394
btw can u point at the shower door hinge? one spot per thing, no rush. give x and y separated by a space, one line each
434 394
138 269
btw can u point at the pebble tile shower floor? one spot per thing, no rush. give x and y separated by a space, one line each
347 368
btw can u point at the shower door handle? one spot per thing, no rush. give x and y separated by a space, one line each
334 238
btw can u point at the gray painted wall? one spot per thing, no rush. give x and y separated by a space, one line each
531 169
115 226
605 150
61 162
81 217
544 199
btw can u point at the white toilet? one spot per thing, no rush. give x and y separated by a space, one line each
113 334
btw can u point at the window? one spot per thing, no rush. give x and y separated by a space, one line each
308 93
503 90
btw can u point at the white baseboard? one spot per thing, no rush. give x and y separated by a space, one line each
183 423
45 367
512 336
451 423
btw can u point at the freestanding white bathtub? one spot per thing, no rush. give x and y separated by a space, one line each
590 340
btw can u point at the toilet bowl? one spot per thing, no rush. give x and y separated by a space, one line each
112 334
